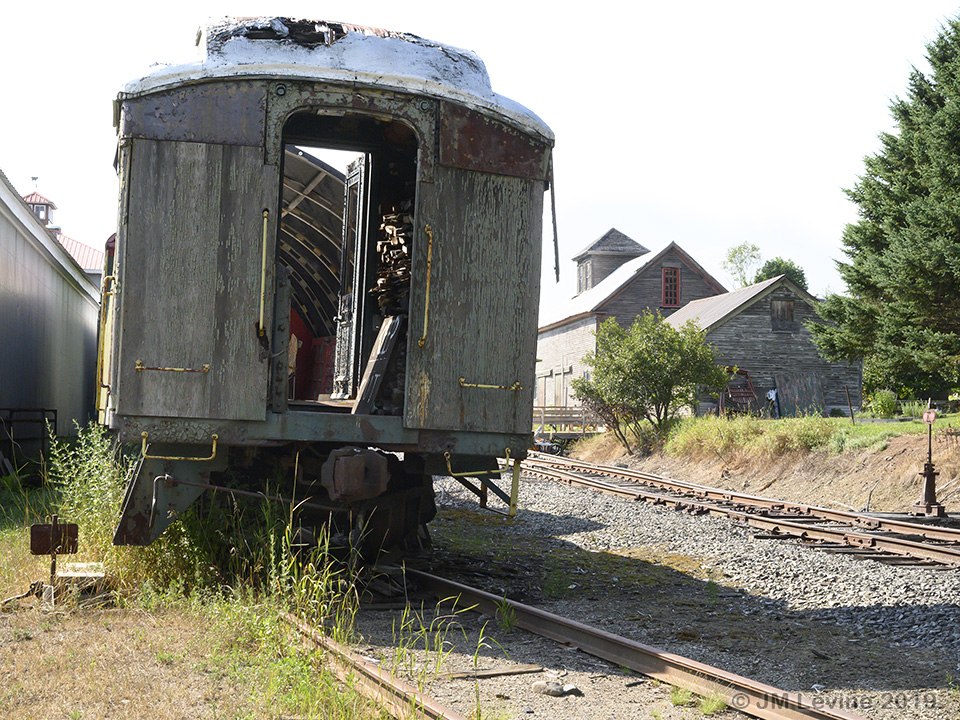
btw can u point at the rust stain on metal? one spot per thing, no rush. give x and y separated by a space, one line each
369 431
47 538
301 32
474 141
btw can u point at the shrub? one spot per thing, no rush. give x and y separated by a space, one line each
913 408
883 403
232 541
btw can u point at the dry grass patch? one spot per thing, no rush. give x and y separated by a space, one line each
215 660
112 664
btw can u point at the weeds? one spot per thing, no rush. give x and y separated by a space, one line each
679 697
913 408
506 616
482 644
713 592
411 634
712 705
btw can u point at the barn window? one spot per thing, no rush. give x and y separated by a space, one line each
781 315
671 287
584 276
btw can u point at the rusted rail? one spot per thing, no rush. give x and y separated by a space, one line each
889 538
401 699
748 696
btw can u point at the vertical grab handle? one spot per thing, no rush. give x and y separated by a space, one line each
426 305
263 275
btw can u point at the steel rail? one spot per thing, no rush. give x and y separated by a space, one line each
944 555
748 696
400 698
902 527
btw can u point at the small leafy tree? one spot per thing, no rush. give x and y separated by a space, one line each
780 266
646 373
740 258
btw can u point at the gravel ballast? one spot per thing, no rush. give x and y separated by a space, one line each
881 641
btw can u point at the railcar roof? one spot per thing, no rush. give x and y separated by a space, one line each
341 53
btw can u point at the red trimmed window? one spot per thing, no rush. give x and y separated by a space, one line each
671 287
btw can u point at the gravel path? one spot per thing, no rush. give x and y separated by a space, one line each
877 640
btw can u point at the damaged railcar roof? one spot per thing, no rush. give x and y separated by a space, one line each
342 53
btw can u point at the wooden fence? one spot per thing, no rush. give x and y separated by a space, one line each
565 420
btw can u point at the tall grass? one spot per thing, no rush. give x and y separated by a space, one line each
729 438
234 563
220 542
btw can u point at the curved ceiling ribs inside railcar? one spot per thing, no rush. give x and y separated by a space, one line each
311 237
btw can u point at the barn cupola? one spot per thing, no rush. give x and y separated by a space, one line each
41 206
603 256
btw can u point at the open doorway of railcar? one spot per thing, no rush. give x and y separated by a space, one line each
345 238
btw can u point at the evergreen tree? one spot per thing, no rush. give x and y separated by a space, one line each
780 266
903 311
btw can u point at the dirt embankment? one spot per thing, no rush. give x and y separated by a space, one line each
887 479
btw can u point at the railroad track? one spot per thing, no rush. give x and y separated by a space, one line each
402 700
399 698
892 541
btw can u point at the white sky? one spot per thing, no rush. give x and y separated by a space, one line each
701 122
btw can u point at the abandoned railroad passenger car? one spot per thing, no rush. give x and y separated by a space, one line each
369 326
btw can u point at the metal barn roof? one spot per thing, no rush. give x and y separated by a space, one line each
712 311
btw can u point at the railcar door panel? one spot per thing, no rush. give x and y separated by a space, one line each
192 236
475 368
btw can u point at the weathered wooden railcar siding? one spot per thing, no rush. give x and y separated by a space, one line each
48 321
646 291
749 341
189 253
484 288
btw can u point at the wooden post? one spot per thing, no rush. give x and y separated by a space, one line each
849 405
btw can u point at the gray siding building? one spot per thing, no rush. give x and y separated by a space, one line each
762 329
616 277
48 320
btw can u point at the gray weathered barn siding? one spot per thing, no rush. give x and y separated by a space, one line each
749 336
566 333
560 354
645 291
48 319
604 255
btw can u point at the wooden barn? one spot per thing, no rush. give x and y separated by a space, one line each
48 322
617 277
762 329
